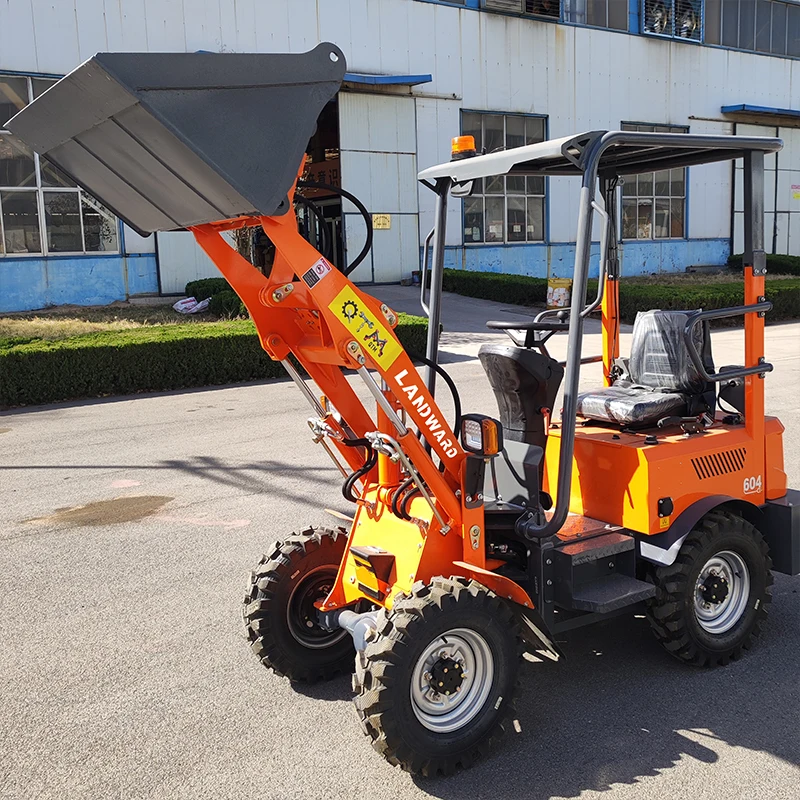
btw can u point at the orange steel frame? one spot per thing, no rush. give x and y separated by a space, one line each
329 325
619 480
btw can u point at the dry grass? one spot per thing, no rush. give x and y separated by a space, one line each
63 322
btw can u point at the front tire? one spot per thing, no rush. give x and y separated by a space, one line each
710 604
279 612
435 685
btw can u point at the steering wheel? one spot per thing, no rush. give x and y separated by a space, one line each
533 325
537 331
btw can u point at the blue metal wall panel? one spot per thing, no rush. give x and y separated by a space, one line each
142 274
558 260
30 283
672 255
84 281
23 284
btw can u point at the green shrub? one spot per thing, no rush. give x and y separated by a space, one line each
633 296
153 358
517 289
776 264
207 287
227 304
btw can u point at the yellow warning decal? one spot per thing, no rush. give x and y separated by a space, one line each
664 522
367 329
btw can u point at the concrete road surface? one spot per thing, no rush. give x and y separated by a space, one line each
127 529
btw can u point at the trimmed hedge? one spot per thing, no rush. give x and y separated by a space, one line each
156 358
776 264
207 287
227 304
633 297
783 294
517 289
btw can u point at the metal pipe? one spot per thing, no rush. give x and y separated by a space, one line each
383 403
359 626
723 313
424 276
531 527
437 270
585 360
603 259
394 445
301 385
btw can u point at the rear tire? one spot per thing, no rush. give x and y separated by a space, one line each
435 685
710 604
279 614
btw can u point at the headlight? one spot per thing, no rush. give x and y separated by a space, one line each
481 435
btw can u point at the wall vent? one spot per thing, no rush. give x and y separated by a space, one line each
722 463
513 6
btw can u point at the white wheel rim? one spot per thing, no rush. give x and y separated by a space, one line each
441 713
719 616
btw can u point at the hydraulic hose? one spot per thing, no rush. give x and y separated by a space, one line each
397 495
326 247
450 385
362 209
369 463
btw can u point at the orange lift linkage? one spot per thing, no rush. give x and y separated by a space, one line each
328 324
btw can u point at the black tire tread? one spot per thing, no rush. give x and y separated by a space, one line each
373 678
666 612
274 566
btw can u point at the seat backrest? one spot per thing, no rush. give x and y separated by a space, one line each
659 357
524 382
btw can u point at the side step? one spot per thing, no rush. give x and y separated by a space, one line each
610 593
597 574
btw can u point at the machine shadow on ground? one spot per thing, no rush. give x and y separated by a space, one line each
619 709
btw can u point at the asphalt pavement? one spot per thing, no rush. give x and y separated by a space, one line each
127 529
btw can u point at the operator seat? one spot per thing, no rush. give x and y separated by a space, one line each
661 380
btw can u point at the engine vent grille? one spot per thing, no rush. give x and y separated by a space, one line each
722 463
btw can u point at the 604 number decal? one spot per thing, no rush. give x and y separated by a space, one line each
752 485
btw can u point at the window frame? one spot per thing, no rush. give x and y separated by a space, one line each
673 36
652 238
561 18
40 190
505 195
753 12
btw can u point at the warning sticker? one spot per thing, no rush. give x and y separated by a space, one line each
367 329
663 522
317 272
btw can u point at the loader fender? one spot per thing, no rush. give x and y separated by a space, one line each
662 548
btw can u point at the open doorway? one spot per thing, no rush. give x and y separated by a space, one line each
318 209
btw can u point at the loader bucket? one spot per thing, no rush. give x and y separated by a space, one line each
170 140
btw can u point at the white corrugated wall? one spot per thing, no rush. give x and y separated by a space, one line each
581 78
378 143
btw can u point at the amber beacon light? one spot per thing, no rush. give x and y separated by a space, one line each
463 147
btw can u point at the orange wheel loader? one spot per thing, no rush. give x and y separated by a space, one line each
475 537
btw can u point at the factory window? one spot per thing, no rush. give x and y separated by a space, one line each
504 209
42 211
597 13
765 26
682 19
654 204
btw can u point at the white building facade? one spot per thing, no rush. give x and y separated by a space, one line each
420 72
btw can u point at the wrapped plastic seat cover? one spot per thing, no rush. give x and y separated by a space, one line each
630 405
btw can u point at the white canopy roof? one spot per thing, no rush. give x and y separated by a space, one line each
624 153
